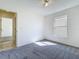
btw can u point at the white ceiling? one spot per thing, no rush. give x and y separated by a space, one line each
55 6
36 5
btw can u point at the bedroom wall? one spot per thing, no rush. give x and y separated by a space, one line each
29 23
73 26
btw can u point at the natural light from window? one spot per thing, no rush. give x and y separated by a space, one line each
44 43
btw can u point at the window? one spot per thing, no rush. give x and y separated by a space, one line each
60 26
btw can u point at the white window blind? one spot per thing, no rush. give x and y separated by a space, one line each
60 26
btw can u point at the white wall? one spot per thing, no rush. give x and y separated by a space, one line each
29 23
73 26
29 26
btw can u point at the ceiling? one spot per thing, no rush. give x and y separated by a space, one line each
54 6
36 5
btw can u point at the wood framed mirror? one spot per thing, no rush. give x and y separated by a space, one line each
7 30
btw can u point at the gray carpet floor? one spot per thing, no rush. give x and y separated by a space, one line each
41 51
57 51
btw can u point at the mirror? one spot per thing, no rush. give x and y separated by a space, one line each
6 25
7 30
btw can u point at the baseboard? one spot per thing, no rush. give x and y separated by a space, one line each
60 43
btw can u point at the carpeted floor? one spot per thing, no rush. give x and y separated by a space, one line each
41 50
56 51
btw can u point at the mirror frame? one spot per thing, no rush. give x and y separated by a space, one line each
8 14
